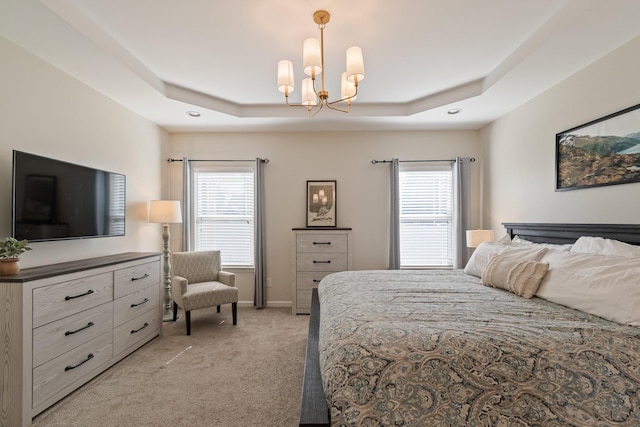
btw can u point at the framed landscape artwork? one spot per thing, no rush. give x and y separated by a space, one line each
321 203
605 151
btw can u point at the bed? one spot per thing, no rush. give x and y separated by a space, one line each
418 348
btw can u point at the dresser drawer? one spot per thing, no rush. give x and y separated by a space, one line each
310 280
64 299
322 243
130 306
55 338
70 369
138 277
303 300
137 330
322 262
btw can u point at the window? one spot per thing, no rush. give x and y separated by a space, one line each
117 204
426 216
223 213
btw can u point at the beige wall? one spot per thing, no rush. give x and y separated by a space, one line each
362 188
519 149
44 111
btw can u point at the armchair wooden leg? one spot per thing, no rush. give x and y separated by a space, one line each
218 309
188 319
175 311
234 312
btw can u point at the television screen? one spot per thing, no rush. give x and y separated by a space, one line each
56 200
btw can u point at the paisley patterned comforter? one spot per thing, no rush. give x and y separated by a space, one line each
437 348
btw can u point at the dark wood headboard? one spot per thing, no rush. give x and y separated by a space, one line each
569 233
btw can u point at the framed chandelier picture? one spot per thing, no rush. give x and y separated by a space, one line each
321 204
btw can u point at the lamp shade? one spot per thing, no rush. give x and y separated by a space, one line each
311 57
308 94
286 83
347 88
475 237
355 64
165 211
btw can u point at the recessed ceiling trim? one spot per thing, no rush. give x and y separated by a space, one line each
87 26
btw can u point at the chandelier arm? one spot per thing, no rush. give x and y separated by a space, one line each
338 109
311 116
313 79
293 105
347 98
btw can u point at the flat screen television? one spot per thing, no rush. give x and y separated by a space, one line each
56 200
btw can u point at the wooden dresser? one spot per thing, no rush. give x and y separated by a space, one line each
316 253
63 324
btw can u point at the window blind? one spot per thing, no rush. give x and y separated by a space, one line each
223 210
117 204
426 213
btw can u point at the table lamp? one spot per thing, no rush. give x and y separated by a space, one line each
475 237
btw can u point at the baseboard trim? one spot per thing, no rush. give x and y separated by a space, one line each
269 304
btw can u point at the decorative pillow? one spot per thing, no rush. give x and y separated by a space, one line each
608 247
480 257
520 241
519 277
605 286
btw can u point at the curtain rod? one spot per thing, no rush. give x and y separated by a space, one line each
472 159
170 160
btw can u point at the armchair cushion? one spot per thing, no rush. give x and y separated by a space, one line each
208 294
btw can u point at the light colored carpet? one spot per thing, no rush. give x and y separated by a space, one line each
222 375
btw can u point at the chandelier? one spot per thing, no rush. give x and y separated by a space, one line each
313 63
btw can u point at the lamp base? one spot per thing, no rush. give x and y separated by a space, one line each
167 317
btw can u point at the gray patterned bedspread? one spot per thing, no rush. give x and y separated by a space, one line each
437 348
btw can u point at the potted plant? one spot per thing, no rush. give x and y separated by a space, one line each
10 251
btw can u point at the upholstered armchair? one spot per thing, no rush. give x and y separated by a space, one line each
199 282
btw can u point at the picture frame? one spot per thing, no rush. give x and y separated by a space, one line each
321 204
605 151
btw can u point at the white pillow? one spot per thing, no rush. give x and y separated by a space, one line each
480 257
604 286
601 246
520 241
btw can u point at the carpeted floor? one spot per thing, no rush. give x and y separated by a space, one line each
222 375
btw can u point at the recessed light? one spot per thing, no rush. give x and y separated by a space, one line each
454 111
193 113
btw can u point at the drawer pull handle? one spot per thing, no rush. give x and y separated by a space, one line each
66 334
140 303
316 281
70 367
321 262
144 276
133 331
321 243
89 292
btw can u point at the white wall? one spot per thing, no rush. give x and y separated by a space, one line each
362 188
44 111
519 149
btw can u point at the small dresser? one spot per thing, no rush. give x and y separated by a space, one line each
316 253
